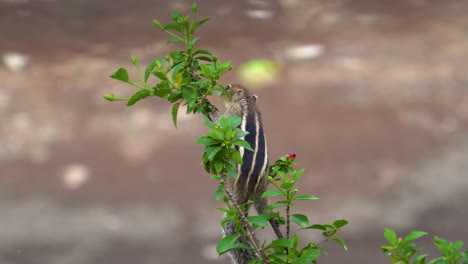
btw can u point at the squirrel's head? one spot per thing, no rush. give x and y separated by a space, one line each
238 93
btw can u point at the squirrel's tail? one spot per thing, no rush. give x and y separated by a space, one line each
239 256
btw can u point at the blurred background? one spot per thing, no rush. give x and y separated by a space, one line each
371 95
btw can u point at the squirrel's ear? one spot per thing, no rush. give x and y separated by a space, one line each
240 92
255 97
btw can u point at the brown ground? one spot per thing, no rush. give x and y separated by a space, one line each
380 121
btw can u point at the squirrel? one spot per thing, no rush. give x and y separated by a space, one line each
251 181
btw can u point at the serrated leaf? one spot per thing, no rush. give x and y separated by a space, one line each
415 235
175 110
340 223
306 197
227 244
121 75
340 241
138 96
271 193
301 220
390 236
243 143
258 220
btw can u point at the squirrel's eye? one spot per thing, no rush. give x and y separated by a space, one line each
228 87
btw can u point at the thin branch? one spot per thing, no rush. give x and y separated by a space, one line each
250 234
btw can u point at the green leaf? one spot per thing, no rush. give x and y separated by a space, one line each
157 24
307 256
298 175
271 193
225 124
207 141
151 67
281 242
415 235
121 75
305 197
235 120
138 96
243 143
189 93
236 157
175 110
193 41
173 26
317 226
134 60
204 58
218 166
421 259
176 16
340 241
174 39
258 220
340 223
231 170
301 220
240 133
208 122
202 51
273 206
207 72
211 151
219 192
390 236
160 75
227 244
198 24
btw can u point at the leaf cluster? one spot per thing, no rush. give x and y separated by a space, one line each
184 77
220 155
404 251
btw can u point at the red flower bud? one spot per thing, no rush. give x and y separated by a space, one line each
290 156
